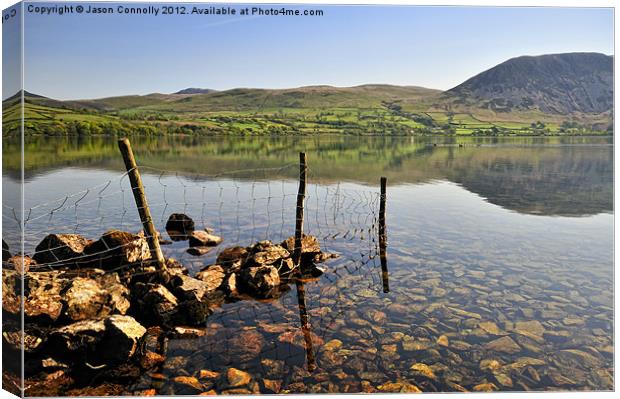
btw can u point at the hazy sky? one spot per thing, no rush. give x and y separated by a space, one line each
89 56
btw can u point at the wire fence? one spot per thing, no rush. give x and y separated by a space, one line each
243 207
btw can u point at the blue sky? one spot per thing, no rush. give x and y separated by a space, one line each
92 56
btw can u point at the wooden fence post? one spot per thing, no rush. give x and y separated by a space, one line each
143 207
383 236
299 214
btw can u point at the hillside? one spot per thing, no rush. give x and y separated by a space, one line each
553 94
555 84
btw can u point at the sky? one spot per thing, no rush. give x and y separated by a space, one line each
81 56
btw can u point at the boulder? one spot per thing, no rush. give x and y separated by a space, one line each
118 248
55 295
213 276
232 258
111 340
179 225
309 244
265 253
6 254
61 249
201 238
199 251
259 281
154 304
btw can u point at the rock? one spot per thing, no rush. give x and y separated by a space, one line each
245 345
85 299
558 380
237 378
13 340
410 344
232 258
443 341
490 328
201 238
265 253
20 264
309 244
118 248
423 370
189 288
503 379
272 386
154 304
152 348
61 249
485 387
184 385
199 251
208 374
213 276
557 336
532 327
399 387
6 254
111 340
504 345
489 365
332 345
298 338
180 223
260 281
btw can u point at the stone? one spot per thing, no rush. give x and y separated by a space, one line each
186 385
200 238
155 304
533 327
399 387
423 370
189 288
490 328
309 244
503 379
245 345
111 340
298 338
410 344
85 299
504 344
443 341
61 250
260 281
213 276
13 340
118 248
20 264
334 344
199 251
180 223
490 365
266 253
208 374
236 378
272 386
232 258
485 387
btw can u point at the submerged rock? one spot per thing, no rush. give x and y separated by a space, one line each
260 281
62 249
503 344
111 340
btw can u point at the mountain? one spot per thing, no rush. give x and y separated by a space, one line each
561 84
194 90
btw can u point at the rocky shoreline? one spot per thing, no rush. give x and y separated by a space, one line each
100 309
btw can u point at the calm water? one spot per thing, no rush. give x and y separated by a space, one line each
499 254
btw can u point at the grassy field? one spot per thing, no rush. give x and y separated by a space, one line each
361 110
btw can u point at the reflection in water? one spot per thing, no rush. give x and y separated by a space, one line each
543 176
305 324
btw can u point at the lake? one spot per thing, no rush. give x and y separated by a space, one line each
499 257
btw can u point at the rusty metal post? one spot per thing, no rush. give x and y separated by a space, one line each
143 207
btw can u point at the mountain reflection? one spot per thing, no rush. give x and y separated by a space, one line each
570 176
